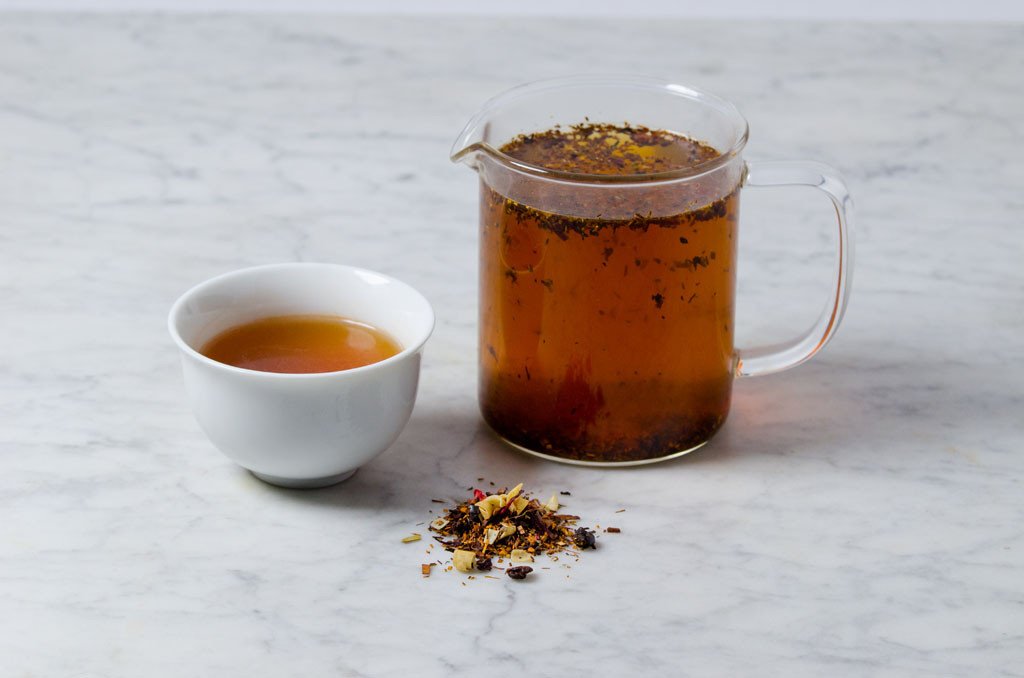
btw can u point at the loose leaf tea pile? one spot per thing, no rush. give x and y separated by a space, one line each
507 524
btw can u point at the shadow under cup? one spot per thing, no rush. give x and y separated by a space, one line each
302 430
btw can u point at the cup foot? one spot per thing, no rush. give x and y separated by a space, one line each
304 483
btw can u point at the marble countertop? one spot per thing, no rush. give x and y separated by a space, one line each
860 515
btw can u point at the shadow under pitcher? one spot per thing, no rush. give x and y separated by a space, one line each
608 266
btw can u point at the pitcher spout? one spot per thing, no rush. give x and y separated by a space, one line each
471 144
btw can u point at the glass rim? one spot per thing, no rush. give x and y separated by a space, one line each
462 149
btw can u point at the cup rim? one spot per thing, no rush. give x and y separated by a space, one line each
464 146
183 346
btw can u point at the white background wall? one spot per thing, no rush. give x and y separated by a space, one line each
871 10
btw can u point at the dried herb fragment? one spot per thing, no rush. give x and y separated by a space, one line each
484 564
425 569
613 530
415 536
519 572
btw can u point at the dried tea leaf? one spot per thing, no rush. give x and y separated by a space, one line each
463 560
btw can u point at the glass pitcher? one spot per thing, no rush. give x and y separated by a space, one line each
607 300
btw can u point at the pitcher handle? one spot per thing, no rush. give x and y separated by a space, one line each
761 360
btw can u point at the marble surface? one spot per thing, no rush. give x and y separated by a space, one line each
860 515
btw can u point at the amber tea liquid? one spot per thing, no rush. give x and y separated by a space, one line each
607 338
301 344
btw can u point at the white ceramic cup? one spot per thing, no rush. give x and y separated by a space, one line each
302 430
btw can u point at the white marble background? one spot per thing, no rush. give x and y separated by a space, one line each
862 515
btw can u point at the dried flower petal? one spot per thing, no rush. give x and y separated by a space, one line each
552 504
491 504
513 493
463 560
518 504
488 506
521 556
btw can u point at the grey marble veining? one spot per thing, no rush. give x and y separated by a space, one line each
859 515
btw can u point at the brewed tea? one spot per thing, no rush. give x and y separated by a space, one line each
607 338
300 344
